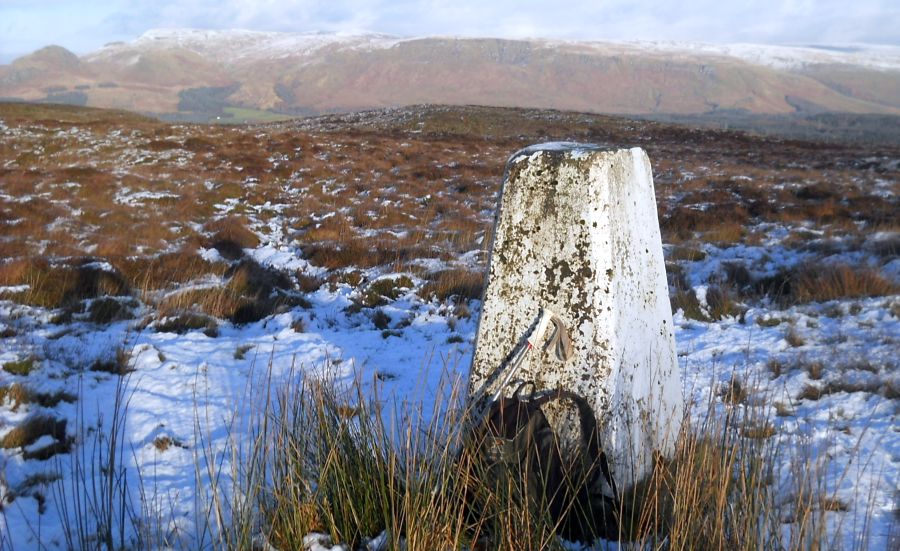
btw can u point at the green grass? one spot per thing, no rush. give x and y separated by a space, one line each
20 367
68 113
241 115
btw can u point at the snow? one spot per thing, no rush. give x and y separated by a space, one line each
184 386
242 46
575 149
40 444
187 386
125 196
210 255
283 258
180 378
14 288
852 434
882 57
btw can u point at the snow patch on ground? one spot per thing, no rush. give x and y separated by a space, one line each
198 392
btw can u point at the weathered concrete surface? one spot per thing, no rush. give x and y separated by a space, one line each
577 232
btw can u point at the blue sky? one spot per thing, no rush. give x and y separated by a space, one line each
82 26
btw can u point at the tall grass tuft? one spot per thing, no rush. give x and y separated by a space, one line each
842 281
414 475
713 494
357 468
341 466
94 499
287 504
318 456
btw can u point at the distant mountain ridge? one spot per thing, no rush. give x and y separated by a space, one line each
203 74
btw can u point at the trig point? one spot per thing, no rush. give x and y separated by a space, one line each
577 234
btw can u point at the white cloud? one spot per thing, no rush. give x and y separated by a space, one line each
82 26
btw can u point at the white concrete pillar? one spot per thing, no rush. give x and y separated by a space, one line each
577 232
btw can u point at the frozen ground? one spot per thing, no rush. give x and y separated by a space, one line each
410 192
191 385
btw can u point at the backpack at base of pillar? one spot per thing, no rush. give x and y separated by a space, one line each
519 457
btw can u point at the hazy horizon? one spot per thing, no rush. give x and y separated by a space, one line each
85 26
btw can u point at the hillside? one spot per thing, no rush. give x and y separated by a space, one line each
187 312
197 75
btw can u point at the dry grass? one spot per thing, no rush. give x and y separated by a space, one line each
391 288
118 364
734 392
219 302
462 284
19 394
794 337
34 427
109 309
685 253
167 269
758 432
686 301
816 391
824 283
372 193
182 322
251 293
230 236
725 221
388 251
163 443
815 370
335 228
727 233
193 308
55 286
427 489
721 302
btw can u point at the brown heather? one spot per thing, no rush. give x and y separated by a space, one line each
462 284
823 283
374 191
33 428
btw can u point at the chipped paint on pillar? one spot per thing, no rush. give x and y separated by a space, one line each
577 232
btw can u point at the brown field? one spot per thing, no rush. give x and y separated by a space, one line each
107 216
388 189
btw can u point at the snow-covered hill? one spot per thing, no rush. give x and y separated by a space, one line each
231 46
326 72
237 44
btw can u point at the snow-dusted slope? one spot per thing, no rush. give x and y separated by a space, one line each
237 44
242 45
767 55
327 72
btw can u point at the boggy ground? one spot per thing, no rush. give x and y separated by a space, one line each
121 235
388 188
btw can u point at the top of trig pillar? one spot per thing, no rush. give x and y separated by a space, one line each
575 149
571 150
581 156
